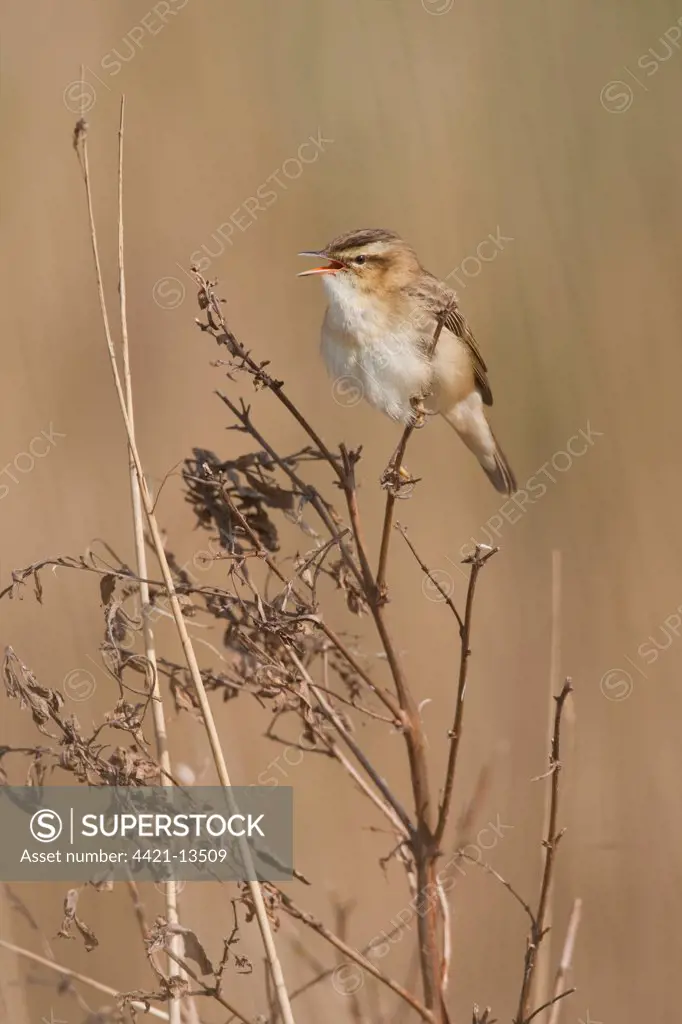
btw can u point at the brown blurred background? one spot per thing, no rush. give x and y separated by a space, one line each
553 128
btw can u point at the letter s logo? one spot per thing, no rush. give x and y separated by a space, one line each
46 826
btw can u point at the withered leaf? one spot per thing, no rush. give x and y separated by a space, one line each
107 586
89 937
70 918
275 496
194 949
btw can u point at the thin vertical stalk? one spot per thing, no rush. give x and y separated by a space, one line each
543 968
158 715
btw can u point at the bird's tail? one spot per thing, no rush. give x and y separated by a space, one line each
501 474
469 420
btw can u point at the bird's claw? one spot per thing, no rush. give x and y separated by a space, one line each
398 480
418 413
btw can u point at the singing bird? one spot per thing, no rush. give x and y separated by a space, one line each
379 329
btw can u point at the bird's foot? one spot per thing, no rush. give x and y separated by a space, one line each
397 479
419 412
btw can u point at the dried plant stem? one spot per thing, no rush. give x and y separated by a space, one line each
550 1002
484 866
550 842
80 144
158 715
403 829
390 509
66 972
337 722
385 808
566 959
423 847
397 464
323 975
424 843
206 990
447 938
322 509
429 575
477 561
543 967
355 956
386 698
224 336
464 632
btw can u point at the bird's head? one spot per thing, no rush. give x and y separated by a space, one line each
369 261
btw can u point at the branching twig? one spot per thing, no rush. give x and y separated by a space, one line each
551 841
503 881
550 1002
396 467
541 991
207 990
354 955
429 575
422 844
217 326
323 510
329 713
477 560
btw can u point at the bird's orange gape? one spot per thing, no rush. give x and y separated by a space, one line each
334 265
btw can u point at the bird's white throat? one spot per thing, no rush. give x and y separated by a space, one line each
360 343
351 309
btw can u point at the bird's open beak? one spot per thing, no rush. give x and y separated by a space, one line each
332 268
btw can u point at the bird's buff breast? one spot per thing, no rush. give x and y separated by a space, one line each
361 348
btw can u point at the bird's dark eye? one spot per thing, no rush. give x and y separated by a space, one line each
360 260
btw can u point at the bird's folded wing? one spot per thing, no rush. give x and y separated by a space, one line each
437 297
456 323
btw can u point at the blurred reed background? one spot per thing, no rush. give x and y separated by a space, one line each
553 128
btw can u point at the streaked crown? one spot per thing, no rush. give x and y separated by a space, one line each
374 254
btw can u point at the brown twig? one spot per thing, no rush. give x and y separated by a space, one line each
206 990
329 971
355 956
395 469
550 1002
429 575
384 697
503 881
542 990
551 841
217 326
423 846
331 716
566 959
477 560
385 808
323 510
391 497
